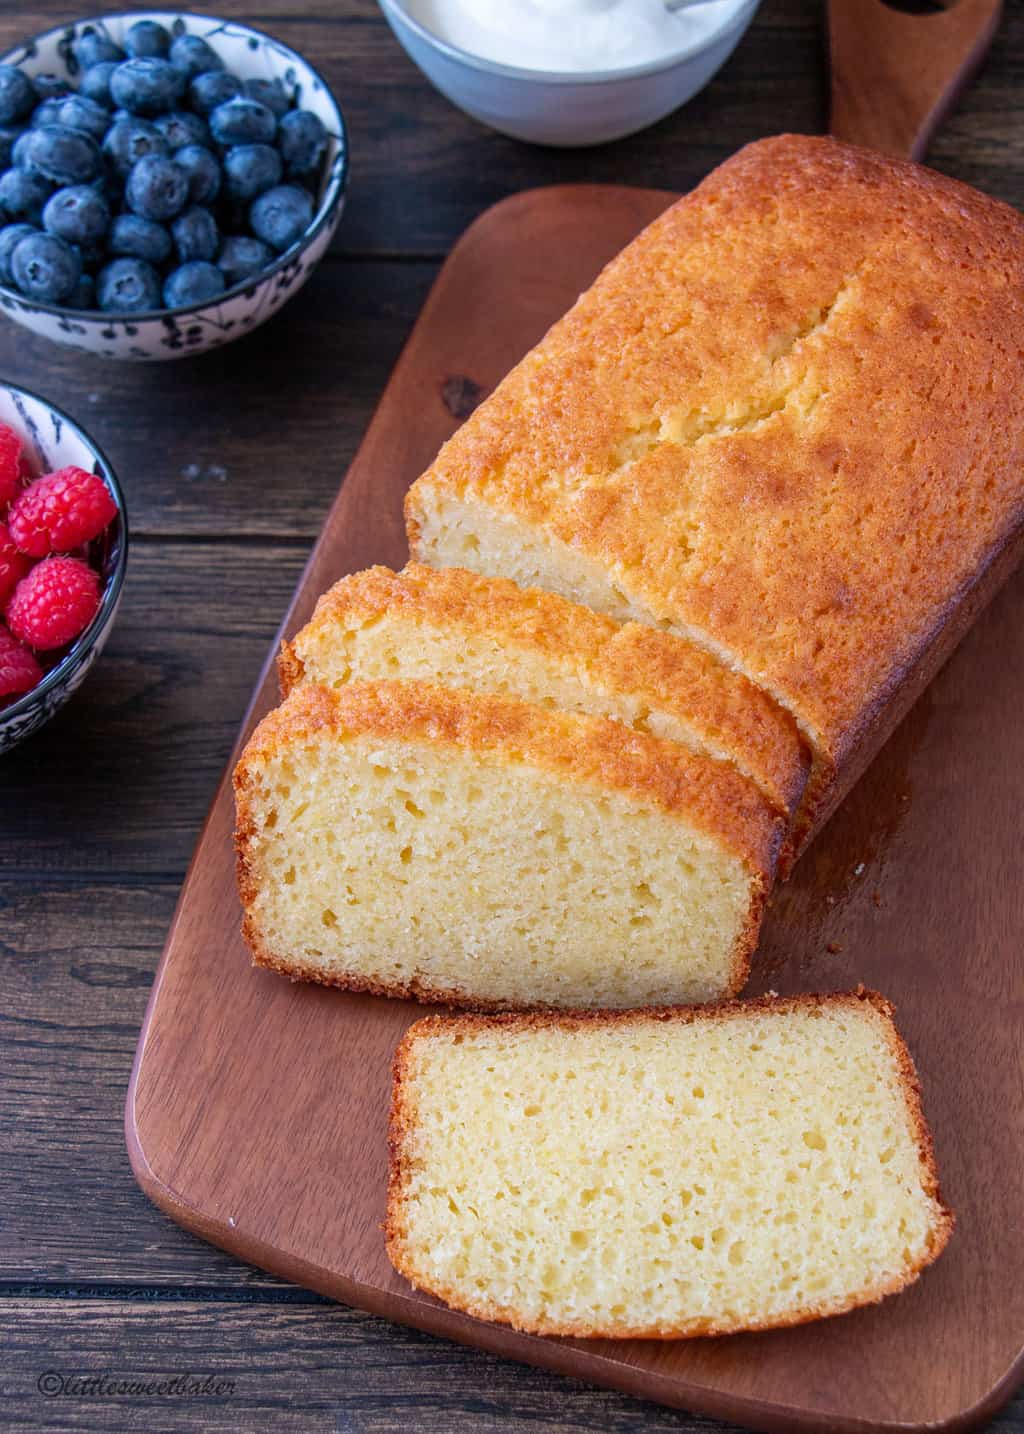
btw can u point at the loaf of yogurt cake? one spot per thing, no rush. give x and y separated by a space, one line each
785 423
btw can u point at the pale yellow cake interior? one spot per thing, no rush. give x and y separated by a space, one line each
647 1176
439 869
463 531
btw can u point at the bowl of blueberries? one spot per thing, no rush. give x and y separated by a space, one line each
167 181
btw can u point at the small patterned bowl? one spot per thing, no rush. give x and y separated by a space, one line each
176 333
52 440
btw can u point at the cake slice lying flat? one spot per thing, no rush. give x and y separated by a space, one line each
662 1174
416 840
459 629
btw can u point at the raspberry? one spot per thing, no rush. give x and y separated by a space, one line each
19 671
60 512
54 602
13 565
10 463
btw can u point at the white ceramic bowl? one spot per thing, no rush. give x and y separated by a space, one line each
174 333
568 109
51 440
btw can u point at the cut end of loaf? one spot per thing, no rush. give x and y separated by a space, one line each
662 1174
406 839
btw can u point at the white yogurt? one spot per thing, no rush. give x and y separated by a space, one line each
569 35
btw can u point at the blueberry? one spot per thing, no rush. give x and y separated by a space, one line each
92 47
302 141
181 128
45 268
242 121
10 235
19 154
270 93
128 286
8 139
92 119
192 55
138 238
249 169
196 235
147 40
203 173
64 155
241 257
212 88
95 83
147 87
17 97
128 140
83 295
48 112
77 214
23 193
157 188
281 215
50 87
194 283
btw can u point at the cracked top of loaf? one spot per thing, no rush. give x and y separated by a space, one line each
787 420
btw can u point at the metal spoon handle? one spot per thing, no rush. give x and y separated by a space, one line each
673 5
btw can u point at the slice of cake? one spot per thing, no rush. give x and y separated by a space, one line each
458 629
785 423
416 840
662 1174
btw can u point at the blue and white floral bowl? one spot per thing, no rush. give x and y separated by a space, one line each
176 333
52 440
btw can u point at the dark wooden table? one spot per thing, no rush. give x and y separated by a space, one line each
229 463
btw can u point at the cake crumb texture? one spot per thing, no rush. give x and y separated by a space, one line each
415 840
662 1174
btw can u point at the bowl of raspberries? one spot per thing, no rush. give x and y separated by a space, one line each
167 181
63 552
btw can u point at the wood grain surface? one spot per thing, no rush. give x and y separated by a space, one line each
230 468
895 76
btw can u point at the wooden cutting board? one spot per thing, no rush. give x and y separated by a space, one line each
257 1109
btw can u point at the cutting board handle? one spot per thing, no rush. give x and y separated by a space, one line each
895 76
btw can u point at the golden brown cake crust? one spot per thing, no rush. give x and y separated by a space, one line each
672 675
402 1124
844 333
